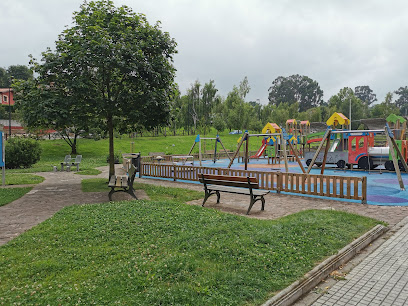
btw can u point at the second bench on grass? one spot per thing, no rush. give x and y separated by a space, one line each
214 184
123 182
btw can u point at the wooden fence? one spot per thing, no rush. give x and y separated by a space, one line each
333 186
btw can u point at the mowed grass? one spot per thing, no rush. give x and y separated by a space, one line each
166 252
8 195
154 192
23 179
94 153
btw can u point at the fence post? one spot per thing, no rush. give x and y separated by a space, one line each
141 169
364 190
174 173
278 182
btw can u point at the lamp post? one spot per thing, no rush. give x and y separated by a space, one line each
9 94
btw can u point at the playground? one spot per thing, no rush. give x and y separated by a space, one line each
382 185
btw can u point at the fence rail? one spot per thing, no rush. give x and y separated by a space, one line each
333 186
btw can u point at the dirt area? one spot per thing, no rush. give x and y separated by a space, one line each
61 189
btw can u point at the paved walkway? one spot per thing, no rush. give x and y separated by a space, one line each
380 279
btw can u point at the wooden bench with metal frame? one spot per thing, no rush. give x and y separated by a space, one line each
214 184
124 182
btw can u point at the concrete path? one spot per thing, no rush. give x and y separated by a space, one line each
380 279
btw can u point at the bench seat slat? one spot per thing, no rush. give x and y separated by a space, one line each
230 183
236 190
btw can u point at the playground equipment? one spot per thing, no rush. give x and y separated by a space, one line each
337 154
269 128
281 136
357 147
359 142
217 140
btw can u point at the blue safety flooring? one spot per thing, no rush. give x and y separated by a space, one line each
382 187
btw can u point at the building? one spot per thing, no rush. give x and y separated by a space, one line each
6 94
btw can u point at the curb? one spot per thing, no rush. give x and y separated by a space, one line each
291 294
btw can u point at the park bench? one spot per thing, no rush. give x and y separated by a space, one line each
123 182
77 161
66 162
214 184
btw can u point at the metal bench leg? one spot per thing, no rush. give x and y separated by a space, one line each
250 205
218 197
131 192
110 193
206 196
263 203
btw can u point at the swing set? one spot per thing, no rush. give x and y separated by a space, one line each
283 139
217 140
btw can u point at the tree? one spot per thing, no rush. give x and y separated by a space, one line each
116 65
14 72
43 107
365 94
19 72
296 88
340 103
384 109
244 88
402 101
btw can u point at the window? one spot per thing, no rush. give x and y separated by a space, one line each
5 98
353 144
361 143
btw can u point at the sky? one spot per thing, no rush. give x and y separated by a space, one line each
338 43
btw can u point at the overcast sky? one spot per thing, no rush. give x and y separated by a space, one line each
338 43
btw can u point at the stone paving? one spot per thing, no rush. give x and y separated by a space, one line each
380 279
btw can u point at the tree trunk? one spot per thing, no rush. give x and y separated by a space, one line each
111 148
74 145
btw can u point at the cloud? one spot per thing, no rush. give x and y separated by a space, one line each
337 43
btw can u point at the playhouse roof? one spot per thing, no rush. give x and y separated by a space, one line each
337 118
305 122
394 118
291 121
271 128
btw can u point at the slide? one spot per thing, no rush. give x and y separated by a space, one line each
314 140
260 151
334 145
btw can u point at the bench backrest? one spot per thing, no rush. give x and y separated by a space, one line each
132 174
67 158
229 180
78 159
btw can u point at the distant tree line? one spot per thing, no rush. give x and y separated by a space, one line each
295 96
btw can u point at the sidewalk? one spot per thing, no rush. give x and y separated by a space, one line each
380 279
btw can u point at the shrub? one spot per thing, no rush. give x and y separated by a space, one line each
22 153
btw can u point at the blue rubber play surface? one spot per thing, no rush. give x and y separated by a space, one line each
382 187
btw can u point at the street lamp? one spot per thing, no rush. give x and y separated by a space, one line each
9 111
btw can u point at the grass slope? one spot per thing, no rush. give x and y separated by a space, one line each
166 252
8 195
95 152
23 178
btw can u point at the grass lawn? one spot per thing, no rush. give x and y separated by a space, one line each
95 152
8 195
166 252
155 192
22 179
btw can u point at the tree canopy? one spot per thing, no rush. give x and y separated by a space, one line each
115 65
14 72
402 101
365 94
296 88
